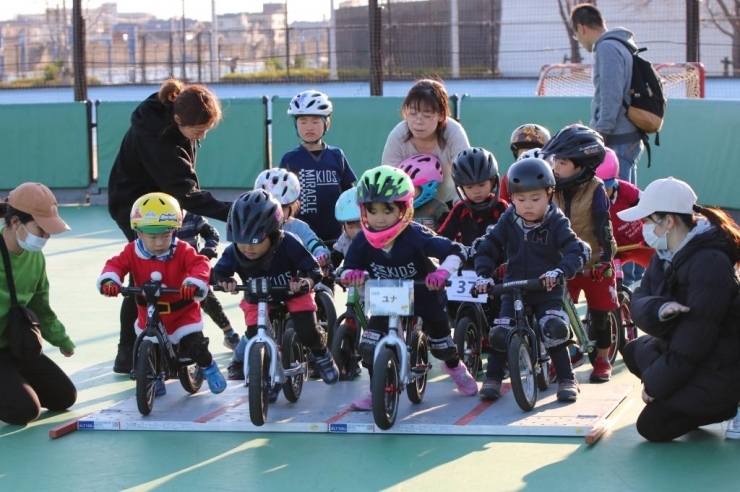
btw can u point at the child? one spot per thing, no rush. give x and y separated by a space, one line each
475 173
576 151
425 172
322 170
391 245
156 217
284 186
523 139
261 249
193 227
536 240
347 212
623 195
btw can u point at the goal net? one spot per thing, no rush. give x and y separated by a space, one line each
680 80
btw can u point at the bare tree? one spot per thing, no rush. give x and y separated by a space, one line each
564 7
725 15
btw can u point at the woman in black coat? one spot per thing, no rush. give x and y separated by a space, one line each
689 361
158 154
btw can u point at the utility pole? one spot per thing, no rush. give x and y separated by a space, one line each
184 74
215 75
692 30
455 39
333 43
78 52
287 42
376 55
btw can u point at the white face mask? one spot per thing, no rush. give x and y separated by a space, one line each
32 243
652 239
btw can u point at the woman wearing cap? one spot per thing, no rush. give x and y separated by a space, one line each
158 155
689 361
30 213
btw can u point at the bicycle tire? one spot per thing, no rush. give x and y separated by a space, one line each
419 355
259 370
522 373
146 376
191 378
326 314
343 352
385 387
469 345
615 339
292 353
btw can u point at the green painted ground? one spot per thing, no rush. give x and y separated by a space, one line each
102 461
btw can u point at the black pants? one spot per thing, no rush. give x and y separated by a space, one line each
195 346
128 306
658 421
213 308
27 387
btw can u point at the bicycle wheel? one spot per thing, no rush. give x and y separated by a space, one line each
259 383
614 337
385 388
343 352
543 373
419 359
292 355
522 373
146 376
468 341
191 378
326 313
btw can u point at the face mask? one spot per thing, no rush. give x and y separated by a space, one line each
32 243
652 240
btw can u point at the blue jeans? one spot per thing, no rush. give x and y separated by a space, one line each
629 155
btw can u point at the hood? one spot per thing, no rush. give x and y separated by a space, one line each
156 120
619 33
703 236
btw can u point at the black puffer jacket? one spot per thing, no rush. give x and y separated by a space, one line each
692 361
156 156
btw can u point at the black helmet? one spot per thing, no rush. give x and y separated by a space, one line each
471 166
529 175
580 144
254 216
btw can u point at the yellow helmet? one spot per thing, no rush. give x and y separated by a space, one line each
155 213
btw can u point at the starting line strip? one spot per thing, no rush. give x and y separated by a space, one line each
327 409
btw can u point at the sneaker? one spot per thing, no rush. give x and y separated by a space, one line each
364 403
216 381
231 341
124 362
576 356
236 371
491 389
733 427
159 388
325 366
274 392
568 390
602 370
463 380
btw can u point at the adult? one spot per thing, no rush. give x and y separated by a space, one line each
158 154
689 361
27 386
427 128
612 75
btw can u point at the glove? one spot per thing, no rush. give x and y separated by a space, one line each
188 290
436 280
482 284
600 270
110 289
501 271
323 259
209 253
554 273
67 353
354 277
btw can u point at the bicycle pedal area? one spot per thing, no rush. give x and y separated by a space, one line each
328 409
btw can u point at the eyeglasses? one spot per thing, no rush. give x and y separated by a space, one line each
575 33
424 117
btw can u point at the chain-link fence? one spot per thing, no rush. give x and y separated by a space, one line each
492 39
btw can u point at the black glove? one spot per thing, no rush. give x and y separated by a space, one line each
209 253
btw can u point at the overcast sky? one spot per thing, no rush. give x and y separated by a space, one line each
298 10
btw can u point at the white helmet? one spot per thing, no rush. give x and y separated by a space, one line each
310 103
281 183
530 154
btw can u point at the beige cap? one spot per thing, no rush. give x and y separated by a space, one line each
662 195
38 201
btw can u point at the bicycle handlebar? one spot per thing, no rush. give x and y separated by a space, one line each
125 291
257 286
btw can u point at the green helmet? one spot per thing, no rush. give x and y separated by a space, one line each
385 184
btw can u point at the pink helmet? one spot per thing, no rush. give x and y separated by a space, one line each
385 184
425 171
609 169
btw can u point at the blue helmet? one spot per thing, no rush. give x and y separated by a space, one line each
346 208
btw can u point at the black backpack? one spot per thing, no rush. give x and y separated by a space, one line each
647 98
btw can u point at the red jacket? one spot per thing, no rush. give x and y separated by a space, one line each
626 195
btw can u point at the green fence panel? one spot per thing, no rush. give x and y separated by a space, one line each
489 122
229 156
359 126
46 143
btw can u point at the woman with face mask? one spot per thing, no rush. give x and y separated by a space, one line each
689 361
30 217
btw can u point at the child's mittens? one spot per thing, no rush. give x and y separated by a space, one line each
323 259
110 288
436 280
209 253
188 291
354 277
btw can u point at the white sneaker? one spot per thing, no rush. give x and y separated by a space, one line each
733 427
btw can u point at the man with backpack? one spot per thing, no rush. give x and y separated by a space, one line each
612 77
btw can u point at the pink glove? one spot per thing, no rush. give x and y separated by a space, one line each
436 280
354 277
